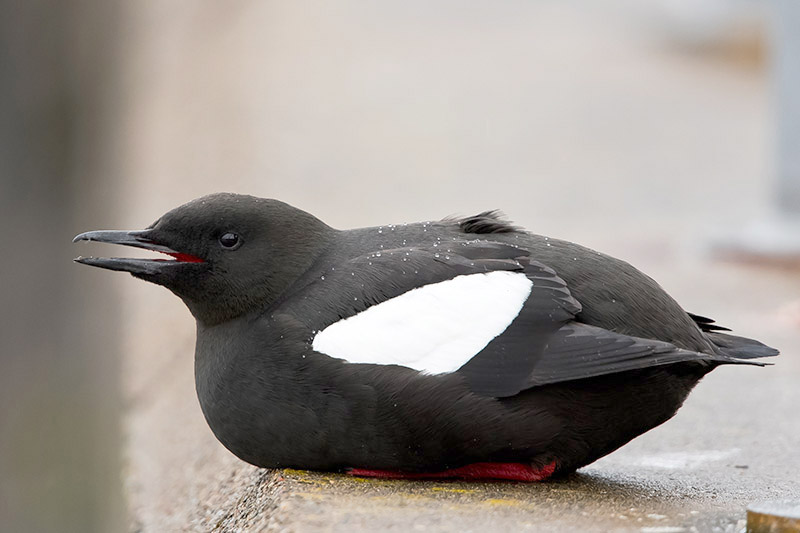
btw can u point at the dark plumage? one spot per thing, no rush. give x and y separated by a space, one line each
485 223
596 355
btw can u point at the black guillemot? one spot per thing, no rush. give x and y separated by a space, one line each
463 348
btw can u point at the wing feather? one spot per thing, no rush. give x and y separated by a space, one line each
502 336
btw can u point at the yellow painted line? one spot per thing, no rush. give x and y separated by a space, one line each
293 472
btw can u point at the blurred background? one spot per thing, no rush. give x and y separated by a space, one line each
648 130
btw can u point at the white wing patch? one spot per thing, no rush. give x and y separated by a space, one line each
435 328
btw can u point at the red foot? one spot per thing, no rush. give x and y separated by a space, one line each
510 471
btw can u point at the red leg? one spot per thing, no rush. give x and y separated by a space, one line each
475 471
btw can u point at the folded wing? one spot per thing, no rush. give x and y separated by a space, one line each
483 310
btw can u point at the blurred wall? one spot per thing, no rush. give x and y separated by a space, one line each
368 112
59 364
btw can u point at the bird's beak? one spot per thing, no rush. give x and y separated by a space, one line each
137 239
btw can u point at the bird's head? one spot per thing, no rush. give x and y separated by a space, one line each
231 254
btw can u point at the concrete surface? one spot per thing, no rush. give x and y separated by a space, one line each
579 122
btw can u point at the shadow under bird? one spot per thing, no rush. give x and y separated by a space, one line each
463 348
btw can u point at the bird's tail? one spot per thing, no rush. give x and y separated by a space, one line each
731 345
740 347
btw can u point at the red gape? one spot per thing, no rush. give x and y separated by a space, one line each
185 258
475 471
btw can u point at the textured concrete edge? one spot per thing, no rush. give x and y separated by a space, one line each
259 506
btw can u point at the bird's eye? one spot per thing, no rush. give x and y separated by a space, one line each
230 241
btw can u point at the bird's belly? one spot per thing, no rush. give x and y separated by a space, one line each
397 419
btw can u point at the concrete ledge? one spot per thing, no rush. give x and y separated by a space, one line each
301 501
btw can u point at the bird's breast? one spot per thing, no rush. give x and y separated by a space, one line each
255 405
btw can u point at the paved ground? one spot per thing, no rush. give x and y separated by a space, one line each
579 124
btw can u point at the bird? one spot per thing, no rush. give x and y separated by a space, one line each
464 348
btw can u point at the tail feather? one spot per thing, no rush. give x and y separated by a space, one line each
706 324
732 345
740 347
